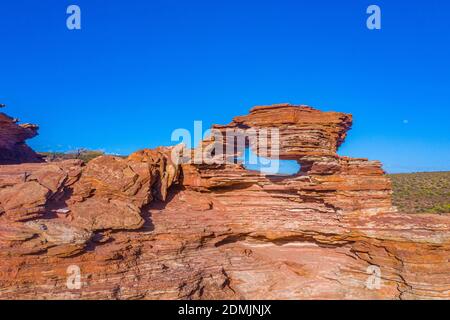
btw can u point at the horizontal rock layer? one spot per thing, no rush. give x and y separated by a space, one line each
147 228
304 131
13 149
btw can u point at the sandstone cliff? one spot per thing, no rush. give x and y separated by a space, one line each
147 227
12 141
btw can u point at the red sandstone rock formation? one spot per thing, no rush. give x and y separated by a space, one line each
148 228
13 149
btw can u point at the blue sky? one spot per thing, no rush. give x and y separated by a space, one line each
137 70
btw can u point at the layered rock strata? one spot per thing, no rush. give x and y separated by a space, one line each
147 227
13 148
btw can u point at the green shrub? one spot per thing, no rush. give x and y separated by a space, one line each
82 154
440 208
421 192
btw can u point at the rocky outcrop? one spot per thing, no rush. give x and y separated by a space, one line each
151 227
309 136
13 149
305 132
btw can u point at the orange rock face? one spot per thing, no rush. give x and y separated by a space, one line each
12 141
147 227
304 130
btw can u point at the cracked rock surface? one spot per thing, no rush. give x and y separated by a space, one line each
145 227
13 148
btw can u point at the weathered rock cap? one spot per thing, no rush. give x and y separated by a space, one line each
13 149
304 131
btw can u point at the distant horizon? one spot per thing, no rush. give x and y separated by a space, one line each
138 70
282 161
71 149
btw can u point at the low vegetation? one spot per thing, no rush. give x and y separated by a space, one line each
422 192
82 154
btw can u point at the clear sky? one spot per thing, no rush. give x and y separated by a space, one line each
137 70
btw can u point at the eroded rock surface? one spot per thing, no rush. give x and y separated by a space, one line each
146 227
13 148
